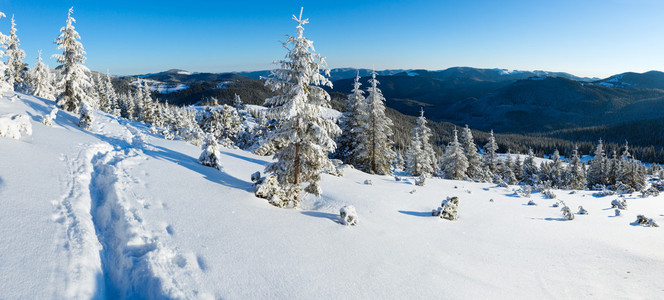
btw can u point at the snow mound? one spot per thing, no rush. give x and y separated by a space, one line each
13 126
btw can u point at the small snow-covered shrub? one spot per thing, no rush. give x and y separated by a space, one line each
617 211
531 202
582 211
13 125
567 213
598 187
85 118
348 215
255 177
647 222
368 182
269 188
659 185
651 191
447 209
397 178
420 181
339 170
549 194
555 205
48 119
502 184
619 204
604 192
623 188
210 156
413 191
524 191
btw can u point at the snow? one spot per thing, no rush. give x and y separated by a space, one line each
161 87
116 212
14 126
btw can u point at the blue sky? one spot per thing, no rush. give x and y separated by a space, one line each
583 37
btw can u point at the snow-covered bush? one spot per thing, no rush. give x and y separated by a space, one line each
555 205
447 209
567 213
85 118
622 188
604 192
524 191
582 211
368 182
619 204
617 211
659 185
256 177
210 156
549 194
647 222
348 215
420 181
13 125
651 191
531 202
269 188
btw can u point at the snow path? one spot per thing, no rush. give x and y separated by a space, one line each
111 252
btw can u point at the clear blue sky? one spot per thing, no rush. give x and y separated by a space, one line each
584 37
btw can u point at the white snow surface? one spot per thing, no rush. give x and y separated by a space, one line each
116 212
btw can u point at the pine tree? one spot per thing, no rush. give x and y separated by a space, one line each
210 156
85 117
306 135
597 169
490 159
237 102
575 175
41 80
454 162
529 175
507 172
374 152
474 170
16 75
348 140
518 168
113 101
75 80
4 86
420 157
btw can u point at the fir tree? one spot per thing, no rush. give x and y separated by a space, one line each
575 175
74 80
348 140
4 86
597 169
16 75
374 152
210 156
41 80
420 157
490 159
507 172
474 170
454 162
85 117
529 174
306 135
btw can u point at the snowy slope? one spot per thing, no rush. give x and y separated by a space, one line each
115 212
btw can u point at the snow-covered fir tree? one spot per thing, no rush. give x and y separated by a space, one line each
454 162
597 171
4 86
74 78
237 102
507 173
348 140
517 168
490 159
109 93
374 151
85 115
474 170
210 156
41 80
306 135
420 157
575 175
16 68
530 173
551 173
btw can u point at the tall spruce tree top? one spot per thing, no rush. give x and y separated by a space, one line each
490 159
375 152
299 103
74 78
597 174
425 134
474 170
454 160
15 65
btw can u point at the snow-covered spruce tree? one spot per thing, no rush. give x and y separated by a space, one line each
348 140
374 152
16 68
507 172
517 168
596 175
307 136
575 175
490 159
74 80
420 157
630 173
551 172
4 86
102 99
109 91
41 80
210 156
529 174
454 162
474 170
237 103
85 116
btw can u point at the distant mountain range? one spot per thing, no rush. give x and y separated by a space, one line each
523 102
